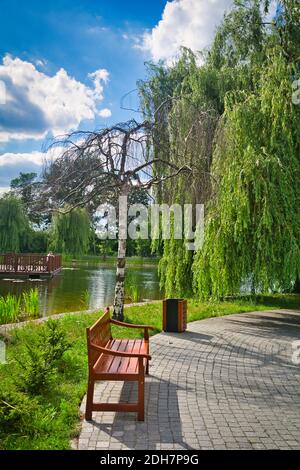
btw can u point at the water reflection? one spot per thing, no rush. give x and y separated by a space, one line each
65 292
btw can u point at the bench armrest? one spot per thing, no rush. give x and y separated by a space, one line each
111 352
130 325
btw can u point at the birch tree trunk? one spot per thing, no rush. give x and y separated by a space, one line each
120 282
118 313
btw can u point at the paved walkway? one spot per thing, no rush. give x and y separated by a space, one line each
227 383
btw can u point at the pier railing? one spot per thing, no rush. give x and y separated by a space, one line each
28 263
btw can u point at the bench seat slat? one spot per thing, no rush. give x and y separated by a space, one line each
130 365
114 368
107 364
105 360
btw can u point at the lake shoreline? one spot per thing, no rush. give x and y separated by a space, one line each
83 287
37 321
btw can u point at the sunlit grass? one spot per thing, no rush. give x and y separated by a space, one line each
10 309
14 308
31 303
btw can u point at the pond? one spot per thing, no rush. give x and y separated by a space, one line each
84 287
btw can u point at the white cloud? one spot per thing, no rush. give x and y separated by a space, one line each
41 63
11 164
99 77
11 159
189 23
105 113
38 103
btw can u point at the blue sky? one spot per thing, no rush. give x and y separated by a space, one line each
81 36
66 64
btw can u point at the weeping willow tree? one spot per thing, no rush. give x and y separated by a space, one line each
238 166
192 129
71 232
187 115
253 225
14 225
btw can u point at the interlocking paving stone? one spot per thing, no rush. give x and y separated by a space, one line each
227 382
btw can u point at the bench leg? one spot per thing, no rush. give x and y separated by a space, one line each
89 400
141 398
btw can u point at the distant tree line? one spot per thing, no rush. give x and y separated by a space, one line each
25 230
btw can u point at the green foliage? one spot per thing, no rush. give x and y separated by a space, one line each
23 187
131 288
288 30
253 225
36 373
38 364
10 307
246 167
85 298
187 98
31 302
54 341
16 410
71 232
13 307
240 38
14 224
175 269
37 242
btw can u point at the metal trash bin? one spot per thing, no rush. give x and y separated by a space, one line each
174 315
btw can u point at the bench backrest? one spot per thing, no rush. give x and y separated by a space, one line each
99 334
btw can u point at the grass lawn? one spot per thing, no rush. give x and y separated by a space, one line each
50 419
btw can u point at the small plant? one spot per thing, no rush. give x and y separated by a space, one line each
9 309
36 372
31 302
131 288
39 362
85 298
54 340
134 293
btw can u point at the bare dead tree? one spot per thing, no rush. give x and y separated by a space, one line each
101 166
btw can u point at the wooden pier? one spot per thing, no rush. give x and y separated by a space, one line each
29 265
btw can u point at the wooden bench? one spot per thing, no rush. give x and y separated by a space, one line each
116 359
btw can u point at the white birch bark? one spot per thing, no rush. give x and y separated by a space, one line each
118 313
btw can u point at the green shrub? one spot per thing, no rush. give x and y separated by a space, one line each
39 361
36 372
55 341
